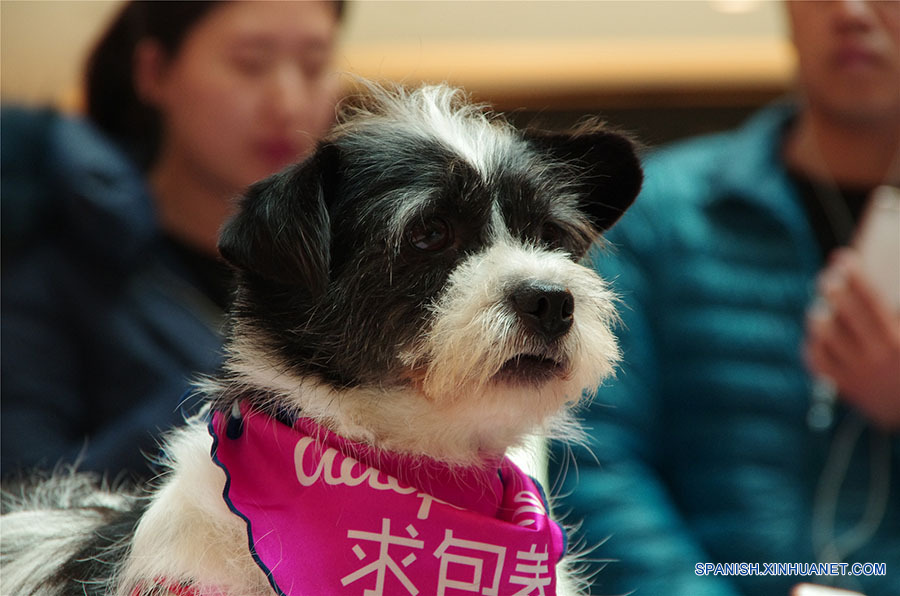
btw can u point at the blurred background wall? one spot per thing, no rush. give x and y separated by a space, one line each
660 68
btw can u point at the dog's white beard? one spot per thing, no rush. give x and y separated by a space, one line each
475 331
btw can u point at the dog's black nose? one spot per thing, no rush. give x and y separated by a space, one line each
544 308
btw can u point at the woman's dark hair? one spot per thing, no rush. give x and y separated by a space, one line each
111 100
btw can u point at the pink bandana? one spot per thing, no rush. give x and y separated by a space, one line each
328 516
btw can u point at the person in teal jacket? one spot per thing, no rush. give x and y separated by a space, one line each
719 441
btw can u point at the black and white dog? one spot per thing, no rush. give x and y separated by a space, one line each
410 305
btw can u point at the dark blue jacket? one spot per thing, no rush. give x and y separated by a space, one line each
701 451
102 329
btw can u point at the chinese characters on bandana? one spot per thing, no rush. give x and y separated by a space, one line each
323 522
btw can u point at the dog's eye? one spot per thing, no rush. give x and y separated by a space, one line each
432 235
552 235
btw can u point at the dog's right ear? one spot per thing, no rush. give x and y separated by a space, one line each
281 232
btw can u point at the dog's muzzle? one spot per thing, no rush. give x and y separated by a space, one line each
545 310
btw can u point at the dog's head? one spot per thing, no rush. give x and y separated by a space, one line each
415 284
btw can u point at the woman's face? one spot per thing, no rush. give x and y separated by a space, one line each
249 90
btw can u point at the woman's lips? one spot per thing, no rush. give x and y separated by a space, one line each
278 152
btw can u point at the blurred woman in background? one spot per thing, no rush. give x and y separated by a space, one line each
113 298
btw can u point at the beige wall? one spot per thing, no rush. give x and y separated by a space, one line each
516 53
43 45
548 20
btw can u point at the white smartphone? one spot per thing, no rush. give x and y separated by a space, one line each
814 590
877 240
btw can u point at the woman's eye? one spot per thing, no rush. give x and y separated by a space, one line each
551 235
430 236
314 64
313 71
250 63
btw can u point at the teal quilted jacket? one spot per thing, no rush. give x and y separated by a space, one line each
699 451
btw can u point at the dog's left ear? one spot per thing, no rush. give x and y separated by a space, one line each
606 168
282 232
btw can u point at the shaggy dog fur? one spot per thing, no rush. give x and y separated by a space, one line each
413 285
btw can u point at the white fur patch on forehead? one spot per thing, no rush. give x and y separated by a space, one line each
500 233
439 113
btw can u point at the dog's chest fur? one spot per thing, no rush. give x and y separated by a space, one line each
414 286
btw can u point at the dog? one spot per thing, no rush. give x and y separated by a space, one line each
409 305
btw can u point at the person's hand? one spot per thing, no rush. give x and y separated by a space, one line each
853 340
